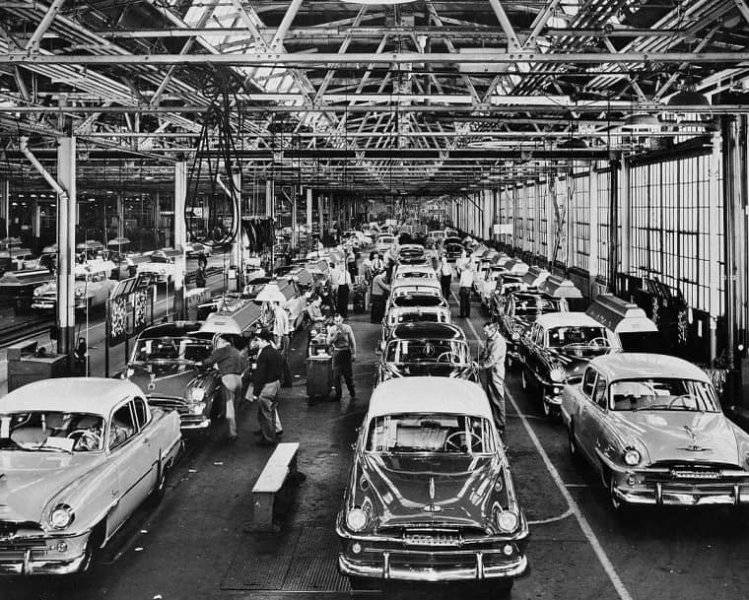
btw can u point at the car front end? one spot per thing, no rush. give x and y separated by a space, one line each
28 549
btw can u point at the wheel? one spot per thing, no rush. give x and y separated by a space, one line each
524 379
571 443
157 494
93 548
616 504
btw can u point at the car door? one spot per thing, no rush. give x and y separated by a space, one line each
583 416
131 454
594 422
535 353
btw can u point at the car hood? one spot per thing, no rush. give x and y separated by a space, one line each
680 435
29 481
170 380
429 490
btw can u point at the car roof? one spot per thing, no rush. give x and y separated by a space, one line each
171 329
567 319
429 395
427 330
638 365
95 395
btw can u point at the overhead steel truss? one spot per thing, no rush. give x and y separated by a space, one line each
371 97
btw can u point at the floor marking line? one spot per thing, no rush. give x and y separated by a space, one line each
587 530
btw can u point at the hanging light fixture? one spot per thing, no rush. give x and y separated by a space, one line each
384 2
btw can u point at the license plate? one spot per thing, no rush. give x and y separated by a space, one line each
682 474
431 540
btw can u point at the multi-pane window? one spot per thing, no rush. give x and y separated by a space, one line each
581 215
603 188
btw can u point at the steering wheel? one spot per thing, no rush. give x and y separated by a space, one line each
451 445
448 356
681 399
600 342
84 438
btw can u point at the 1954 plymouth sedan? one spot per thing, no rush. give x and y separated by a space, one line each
77 457
652 428
430 496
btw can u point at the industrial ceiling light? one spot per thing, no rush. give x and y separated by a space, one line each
641 121
385 2
688 97
572 144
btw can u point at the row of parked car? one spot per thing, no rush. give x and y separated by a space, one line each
651 425
430 494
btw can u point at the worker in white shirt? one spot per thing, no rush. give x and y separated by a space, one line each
464 292
281 336
342 282
462 262
446 275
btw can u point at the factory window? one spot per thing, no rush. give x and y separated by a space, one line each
581 220
604 236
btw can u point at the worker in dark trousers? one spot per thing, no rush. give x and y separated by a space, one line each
446 274
464 292
343 348
230 364
266 383
380 293
492 361
342 282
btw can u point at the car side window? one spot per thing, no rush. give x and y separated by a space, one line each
141 412
599 392
122 427
589 381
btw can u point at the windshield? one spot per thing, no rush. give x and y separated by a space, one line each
51 431
535 305
414 275
451 434
417 300
559 337
171 349
663 394
450 352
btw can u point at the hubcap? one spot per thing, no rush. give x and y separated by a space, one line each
615 502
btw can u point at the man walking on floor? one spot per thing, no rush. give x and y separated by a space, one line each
267 382
492 361
343 344
464 292
446 275
230 365
342 281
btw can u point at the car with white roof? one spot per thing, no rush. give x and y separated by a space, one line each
556 348
652 428
414 272
92 288
416 295
430 496
78 456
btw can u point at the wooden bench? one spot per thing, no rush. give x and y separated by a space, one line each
279 467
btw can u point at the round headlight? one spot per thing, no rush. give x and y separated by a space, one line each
356 519
632 457
61 516
197 394
558 374
507 521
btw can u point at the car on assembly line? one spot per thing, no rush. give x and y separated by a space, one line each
414 272
92 289
398 315
166 364
384 243
517 311
196 249
653 429
416 295
558 346
430 496
411 254
453 249
424 348
78 456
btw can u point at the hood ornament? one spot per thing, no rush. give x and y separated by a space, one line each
432 507
692 446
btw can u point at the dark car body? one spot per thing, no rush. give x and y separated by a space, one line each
175 381
556 349
433 511
411 254
453 249
517 311
426 348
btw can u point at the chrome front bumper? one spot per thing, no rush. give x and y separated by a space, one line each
41 556
486 565
676 493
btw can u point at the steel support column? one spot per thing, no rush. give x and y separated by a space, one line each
309 218
294 224
237 247
66 205
180 236
619 243
593 230
715 251
321 215
5 208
